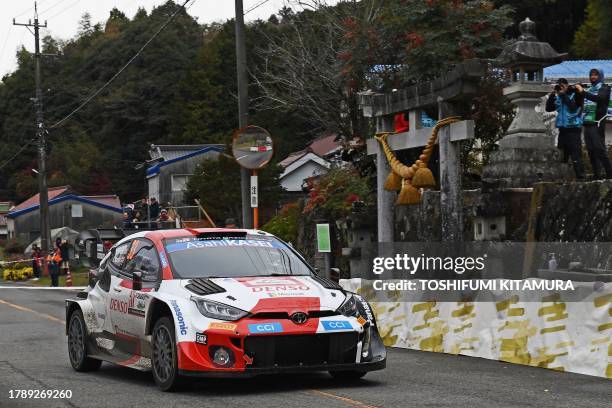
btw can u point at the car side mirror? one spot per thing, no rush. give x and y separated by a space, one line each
93 277
136 280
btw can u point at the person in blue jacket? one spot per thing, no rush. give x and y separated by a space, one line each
568 105
595 109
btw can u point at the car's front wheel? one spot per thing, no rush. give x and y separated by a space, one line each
77 344
164 359
347 375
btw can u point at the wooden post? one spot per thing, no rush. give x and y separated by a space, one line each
451 197
384 199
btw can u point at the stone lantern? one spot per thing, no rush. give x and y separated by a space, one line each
526 153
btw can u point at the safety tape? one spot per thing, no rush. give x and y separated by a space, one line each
20 260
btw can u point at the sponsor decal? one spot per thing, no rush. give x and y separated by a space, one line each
274 327
118 305
136 303
331 325
218 243
201 338
279 285
248 360
361 320
163 259
179 317
366 308
222 326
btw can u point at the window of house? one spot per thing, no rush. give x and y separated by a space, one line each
179 182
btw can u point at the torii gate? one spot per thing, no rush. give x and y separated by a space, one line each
447 92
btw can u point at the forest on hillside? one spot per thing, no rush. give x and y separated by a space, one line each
306 66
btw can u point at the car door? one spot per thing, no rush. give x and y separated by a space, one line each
129 311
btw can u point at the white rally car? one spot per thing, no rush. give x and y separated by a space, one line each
218 302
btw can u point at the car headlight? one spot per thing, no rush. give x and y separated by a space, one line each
349 306
218 311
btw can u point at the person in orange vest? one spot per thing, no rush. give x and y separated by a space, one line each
54 259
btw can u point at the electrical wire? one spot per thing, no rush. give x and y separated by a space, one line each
97 92
64 9
261 3
21 149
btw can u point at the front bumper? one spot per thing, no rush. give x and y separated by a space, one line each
291 353
252 372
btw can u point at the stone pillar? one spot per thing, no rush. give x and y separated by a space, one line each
451 195
384 199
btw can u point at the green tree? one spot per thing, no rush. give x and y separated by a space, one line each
216 183
592 40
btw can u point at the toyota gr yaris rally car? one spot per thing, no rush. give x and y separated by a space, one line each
218 302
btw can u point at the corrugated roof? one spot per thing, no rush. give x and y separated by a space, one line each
578 69
153 170
170 152
35 199
110 200
106 202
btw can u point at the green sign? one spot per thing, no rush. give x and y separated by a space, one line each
323 238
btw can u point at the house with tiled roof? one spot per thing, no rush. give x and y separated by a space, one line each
66 209
316 159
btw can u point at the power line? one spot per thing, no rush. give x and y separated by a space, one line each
97 92
21 149
261 3
64 9
53 6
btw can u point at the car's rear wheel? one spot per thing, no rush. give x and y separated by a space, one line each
77 344
164 359
347 375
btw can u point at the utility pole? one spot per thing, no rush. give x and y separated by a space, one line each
45 236
243 111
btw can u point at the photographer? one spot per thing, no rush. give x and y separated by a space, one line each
568 104
595 109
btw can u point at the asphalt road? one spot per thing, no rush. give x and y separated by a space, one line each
33 356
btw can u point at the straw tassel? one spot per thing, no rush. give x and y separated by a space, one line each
408 195
423 177
393 182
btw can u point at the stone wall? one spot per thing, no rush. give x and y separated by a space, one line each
550 212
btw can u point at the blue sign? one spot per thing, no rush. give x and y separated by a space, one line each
266 328
331 325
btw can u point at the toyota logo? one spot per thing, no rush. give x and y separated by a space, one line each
299 317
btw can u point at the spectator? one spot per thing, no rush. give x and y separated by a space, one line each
143 208
595 109
230 223
127 220
568 105
163 215
54 260
136 219
65 254
36 261
153 209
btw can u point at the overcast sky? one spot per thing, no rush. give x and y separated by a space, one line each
63 15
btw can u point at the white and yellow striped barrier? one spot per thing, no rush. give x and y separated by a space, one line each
551 333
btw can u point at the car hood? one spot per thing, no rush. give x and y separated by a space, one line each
273 293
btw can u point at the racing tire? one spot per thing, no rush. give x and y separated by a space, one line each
347 375
164 359
77 344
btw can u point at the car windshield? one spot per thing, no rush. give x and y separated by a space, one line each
193 257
